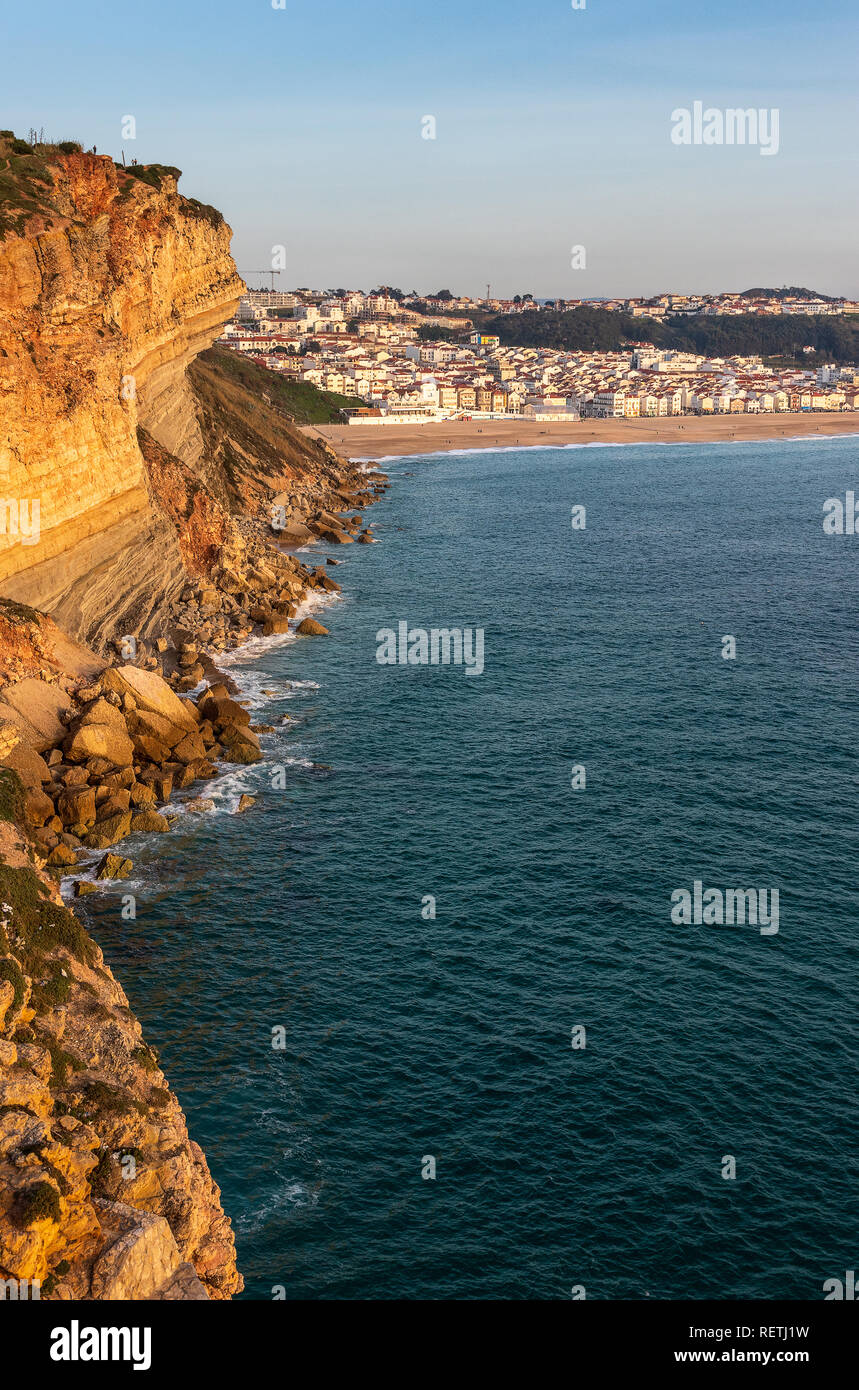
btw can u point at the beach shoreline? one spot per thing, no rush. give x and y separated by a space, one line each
374 442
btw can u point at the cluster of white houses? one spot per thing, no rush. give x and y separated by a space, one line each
389 374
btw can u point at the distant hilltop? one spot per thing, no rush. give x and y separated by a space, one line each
788 292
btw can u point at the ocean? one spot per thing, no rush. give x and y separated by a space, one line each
550 1086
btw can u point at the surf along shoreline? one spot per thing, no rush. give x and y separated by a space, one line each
224 669
368 443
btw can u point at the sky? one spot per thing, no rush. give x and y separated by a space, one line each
305 125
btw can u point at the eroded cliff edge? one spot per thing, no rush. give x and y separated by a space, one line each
113 287
156 475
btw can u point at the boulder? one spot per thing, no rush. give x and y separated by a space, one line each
36 707
117 802
140 1260
295 533
29 765
142 796
160 782
75 777
184 776
114 866
109 832
309 627
201 767
101 711
99 768
62 856
124 777
150 692
245 802
76 806
240 745
189 749
224 711
147 722
100 741
332 535
38 806
149 821
151 750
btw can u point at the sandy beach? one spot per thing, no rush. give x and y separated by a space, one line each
383 441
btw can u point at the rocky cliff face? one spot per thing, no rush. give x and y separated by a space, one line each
151 492
102 1192
106 294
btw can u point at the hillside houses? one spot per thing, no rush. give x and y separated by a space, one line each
364 347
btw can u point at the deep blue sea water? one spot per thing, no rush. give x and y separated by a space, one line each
407 1037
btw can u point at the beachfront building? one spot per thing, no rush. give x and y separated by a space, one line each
609 404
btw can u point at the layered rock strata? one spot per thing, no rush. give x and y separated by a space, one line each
151 507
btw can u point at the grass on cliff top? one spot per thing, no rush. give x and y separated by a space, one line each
299 400
26 182
154 175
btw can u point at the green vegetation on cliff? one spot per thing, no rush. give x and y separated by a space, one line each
26 182
299 400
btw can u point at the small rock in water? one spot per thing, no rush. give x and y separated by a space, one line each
245 802
200 803
311 628
83 886
114 866
149 822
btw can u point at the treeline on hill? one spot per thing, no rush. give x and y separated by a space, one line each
745 335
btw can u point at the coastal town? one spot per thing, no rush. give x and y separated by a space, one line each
395 363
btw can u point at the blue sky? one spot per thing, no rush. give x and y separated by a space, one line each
303 125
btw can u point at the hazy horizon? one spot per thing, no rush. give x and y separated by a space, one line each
552 129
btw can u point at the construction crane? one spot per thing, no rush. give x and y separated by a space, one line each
272 273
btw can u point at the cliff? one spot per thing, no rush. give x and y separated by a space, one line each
152 493
106 294
102 1192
